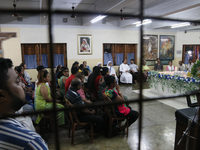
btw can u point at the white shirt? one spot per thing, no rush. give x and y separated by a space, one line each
181 67
133 67
171 68
189 66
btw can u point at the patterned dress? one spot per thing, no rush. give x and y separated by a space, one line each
41 104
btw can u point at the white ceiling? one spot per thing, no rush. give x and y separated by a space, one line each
175 9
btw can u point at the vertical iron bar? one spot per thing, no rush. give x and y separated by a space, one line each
141 76
53 87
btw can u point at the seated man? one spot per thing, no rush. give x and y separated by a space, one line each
126 77
14 135
158 66
181 66
85 66
84 115
74 71
145 70
134 70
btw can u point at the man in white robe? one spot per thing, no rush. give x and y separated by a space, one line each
126 77
112 70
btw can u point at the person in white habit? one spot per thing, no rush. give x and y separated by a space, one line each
112 70
126 77
85 47
99 64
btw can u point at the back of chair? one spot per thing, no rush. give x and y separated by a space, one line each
72 113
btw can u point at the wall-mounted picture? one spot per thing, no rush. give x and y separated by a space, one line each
167 44
150 45
84 44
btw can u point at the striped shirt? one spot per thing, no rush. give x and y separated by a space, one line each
74 97
15 136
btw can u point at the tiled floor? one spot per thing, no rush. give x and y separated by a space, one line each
158 131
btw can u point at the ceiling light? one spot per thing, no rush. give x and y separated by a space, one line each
146 21
180 25
98 18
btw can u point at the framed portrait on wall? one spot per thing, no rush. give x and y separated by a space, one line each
84 44
167 44
150 46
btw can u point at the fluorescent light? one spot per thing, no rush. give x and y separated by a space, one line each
180 25
146 21
98 18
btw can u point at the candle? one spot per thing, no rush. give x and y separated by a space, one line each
175 68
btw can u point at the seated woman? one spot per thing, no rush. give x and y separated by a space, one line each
63 78
43 98
102 83
122 109
170 67
145 70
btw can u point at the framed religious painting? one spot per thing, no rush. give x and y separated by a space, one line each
150 46
84 44
167 44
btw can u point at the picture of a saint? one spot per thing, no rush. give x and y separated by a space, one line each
85 47
2 39
167 47
150 45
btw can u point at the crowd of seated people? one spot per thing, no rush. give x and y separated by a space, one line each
81 87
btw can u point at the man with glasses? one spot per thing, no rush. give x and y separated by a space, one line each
13 134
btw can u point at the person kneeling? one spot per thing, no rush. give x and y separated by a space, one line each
84 115
122 109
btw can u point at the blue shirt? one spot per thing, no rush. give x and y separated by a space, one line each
89 69
14 135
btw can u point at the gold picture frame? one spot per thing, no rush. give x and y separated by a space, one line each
84 44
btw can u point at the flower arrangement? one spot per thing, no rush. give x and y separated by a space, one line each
175 83
195 72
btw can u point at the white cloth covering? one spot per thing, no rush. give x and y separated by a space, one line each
112 70
126 77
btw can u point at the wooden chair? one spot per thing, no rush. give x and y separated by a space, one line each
110 112
74 122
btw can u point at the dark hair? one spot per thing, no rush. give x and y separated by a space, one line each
109 80
85 71
81 67
92 77
83 62
157 59
22 64
170 61
104 71
39 68
59 75
79 75
58 68
74 70
18 69
5 64
132 59
75 63
41 75
75 83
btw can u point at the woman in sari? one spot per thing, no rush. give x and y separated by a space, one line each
43 98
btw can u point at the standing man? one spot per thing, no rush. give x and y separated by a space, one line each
134 70
14 135
126 77
158 66
2 39
85 66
